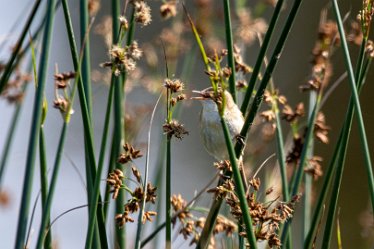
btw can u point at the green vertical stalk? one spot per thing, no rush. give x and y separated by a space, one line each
86 64
168 194
44 182
261 56
239 187
280 147
96 188
118 133
303 159
34 132
89 147
307 177
48 202
9 66
352 82
10 136
230 48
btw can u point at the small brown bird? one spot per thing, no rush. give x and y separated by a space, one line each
210 123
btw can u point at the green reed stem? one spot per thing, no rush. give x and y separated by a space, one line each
239 187
90 169
352 81
303 159
9 66
261 56
145 188
96 189
35 126
280 147
86 64
168 179
44 182
308 179
343 150
48 203
344 136
230 48
10 135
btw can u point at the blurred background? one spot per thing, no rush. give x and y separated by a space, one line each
192 166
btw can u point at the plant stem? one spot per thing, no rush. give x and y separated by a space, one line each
9 66
44 183
168 194
35 126
230 49
86 64
239 187
352 81
261 57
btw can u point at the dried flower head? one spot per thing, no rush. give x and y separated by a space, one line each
13 91
61 103
114 180
294 155
123 59
4 198
123 218
175 85
365 16
370 49
292 115
142 13
355 33
124 23
62 79
321 130
168 9
314 167
249 27
174 128
93 7
129 154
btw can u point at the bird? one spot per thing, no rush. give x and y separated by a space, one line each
210 122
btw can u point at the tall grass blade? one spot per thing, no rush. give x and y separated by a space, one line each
9 66
34 132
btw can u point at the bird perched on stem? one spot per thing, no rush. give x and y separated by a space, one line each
211 131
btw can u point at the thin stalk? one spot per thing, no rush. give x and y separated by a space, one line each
338 177
9 66
280 143
90 169
10 136
35 126
362 131
175 215
47 205
44 182
308 180
86 64
261 56
303 159
168 194
323 194
360 69
142 206
230 48
268 73
239 187
96 189
119 134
